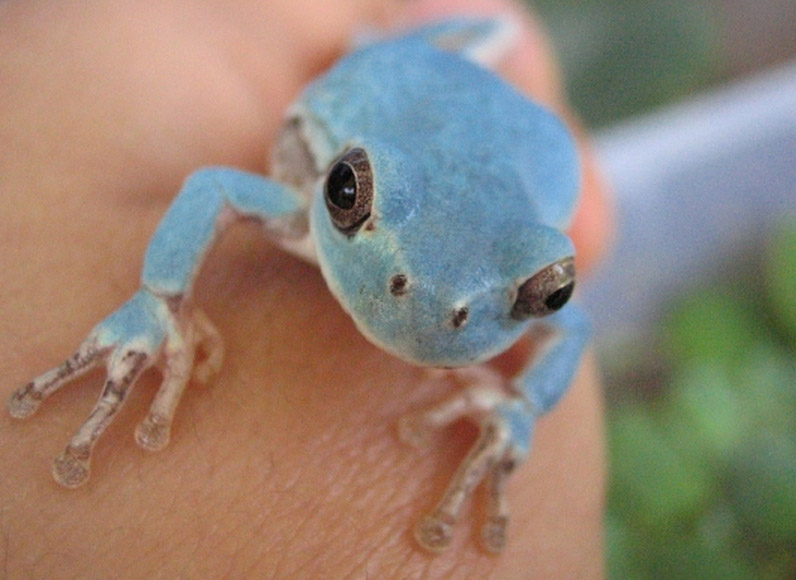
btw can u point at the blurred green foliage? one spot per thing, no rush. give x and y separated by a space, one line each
780 279
622 57
703 475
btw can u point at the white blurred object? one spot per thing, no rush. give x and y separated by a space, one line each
693 183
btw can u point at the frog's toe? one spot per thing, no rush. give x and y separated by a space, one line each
26 400
180 366
23 402
73 466
434 532
493 533
208 343
153 433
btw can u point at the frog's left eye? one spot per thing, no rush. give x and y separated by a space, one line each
349 191
546 291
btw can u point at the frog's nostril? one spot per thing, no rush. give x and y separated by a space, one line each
460 316
398 285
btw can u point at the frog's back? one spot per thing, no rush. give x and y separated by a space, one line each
431 102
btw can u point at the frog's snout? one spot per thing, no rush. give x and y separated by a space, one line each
459 314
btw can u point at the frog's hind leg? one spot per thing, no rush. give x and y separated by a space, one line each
485 41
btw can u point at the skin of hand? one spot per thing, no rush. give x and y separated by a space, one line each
288 464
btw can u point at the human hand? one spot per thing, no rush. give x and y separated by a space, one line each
107 106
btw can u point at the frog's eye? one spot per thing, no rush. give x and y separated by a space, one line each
349 191
546 291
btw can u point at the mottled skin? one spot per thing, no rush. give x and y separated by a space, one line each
433 198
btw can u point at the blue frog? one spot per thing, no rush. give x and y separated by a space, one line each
434 198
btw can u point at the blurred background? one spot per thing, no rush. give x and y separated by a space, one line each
694 107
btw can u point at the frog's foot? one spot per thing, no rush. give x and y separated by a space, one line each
485 41
486 459
142 332
494 454
435 531
124 365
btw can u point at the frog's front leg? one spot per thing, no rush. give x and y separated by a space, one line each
483 392
506 412
160 325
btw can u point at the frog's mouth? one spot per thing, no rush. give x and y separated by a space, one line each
441 350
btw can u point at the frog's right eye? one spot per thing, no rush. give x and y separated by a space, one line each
546 291
349 191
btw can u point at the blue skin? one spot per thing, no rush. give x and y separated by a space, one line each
472 185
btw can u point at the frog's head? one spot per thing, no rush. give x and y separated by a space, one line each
437 271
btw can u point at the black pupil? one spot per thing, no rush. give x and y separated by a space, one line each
341 187
560 297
